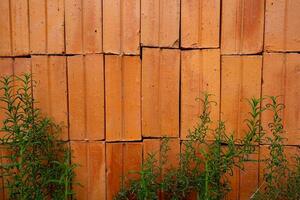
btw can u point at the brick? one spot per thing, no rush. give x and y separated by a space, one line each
200 72
123 95
244 182
242 26
83 26
86 97
160 23
20 27
241 80
282 29
121 158
153 146
282 78
46 26
50 93
121 26
90 156
160 92
5 31
6 69
200 23
289 151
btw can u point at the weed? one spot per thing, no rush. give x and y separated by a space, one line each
37 165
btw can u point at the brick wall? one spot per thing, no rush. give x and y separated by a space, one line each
122 73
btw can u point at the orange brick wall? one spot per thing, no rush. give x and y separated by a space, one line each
122 73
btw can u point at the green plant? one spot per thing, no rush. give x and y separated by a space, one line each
37 165
204 165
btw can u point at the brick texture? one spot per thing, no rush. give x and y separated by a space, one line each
241 80
200 23
160 92
50 93
200 73
242 26
282 31
123 94
160 23
121 23
86 97
281 77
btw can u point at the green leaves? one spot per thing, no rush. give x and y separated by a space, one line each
37 163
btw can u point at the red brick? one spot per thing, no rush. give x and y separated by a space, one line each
152 146
160 92
200 23
200 72
289 151
241 80
123 95
160 23
83 26
86 97
121 26
20 27
282 32
90 156
46 26
50 92
6 69
5 34
281 77
242 26
121 158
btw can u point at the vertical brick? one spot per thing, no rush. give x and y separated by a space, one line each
121 26
50 74
5 31
121 158
200 23
200 72
152 146
282 32
6 69
86 97
160 23
160 92
289 151
241 80
90 156
83 26
46 26
123 96
20 27
242 26
281 77
22 66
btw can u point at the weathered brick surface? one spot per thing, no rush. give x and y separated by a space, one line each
200 73
160 92
90 157
121 24
83 19
241 80
282 32
281 77
242 26
86 97
50 93
160 23
123 95
121 159
200 23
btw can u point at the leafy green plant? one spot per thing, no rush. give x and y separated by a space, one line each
204 165
37 165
